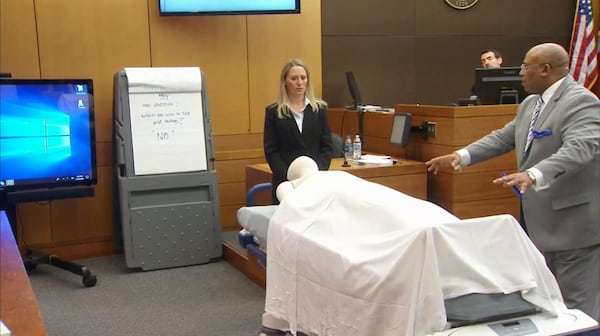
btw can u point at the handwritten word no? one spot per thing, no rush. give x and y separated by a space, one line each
162 136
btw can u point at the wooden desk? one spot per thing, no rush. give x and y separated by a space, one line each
18 308
467 193
377 127
407 176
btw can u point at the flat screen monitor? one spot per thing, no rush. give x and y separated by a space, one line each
401 128
227 7
354 92
499 86
47 136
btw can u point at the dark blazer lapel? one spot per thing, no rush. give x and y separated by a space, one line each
308 123
293 131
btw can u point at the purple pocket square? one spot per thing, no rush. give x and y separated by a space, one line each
541 133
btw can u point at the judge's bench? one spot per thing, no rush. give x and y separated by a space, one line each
467 193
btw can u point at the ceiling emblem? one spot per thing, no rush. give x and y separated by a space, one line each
461 4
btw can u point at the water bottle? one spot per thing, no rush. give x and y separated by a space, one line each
348 148
356 148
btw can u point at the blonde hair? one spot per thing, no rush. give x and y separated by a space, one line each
283 100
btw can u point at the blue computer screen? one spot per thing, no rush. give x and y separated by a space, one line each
220 7
46 133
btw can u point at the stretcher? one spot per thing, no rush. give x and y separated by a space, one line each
350 257
255 223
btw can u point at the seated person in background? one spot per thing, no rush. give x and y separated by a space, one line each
296 124
490 58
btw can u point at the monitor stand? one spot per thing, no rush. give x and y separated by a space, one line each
33 258
509 96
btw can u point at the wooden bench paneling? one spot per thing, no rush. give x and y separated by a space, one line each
239 56
470 191
231 177
376 129
407 176
461 192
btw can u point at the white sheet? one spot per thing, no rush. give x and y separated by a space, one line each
351 257
255 219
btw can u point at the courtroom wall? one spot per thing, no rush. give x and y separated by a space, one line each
241 57
402 51
424 51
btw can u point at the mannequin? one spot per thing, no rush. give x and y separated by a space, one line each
300 169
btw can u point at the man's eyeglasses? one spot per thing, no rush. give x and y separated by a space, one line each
526 66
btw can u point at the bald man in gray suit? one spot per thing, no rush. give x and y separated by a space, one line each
558 157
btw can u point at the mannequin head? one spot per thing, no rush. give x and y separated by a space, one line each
301 168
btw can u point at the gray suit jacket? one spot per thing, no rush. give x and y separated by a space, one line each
565 215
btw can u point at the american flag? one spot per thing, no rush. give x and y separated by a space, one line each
584 53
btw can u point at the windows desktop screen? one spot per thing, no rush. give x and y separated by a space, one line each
46 133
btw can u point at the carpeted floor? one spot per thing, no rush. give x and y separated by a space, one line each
212 299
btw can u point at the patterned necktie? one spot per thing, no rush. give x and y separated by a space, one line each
534 116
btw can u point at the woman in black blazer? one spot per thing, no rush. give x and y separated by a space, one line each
295 125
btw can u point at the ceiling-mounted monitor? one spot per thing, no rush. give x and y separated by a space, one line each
227 7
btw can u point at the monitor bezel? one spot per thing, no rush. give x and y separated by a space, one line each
164 12
509 76
401 129
46 183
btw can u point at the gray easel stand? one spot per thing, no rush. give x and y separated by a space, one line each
167 220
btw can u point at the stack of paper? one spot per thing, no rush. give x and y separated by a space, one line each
382 160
